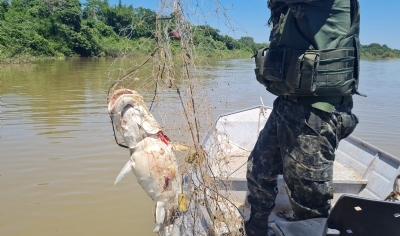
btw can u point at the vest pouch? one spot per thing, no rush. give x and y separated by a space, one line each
336 72
274 66
260 60
307 69
293 72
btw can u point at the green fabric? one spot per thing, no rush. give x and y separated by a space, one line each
324 106
314 51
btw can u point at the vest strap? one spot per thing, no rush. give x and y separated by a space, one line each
309 70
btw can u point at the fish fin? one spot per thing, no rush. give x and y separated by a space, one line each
125 170
160 216
156 229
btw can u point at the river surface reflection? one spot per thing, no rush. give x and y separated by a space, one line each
58 159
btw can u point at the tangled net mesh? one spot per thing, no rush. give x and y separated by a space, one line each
173 81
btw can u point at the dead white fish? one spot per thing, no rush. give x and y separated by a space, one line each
152 157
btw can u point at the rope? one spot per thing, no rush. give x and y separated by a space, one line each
173 63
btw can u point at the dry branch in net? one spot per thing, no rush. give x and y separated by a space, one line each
160 100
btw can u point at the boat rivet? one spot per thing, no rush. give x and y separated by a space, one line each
349 231
358 208
397 215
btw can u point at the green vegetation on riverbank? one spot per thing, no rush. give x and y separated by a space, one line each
377 51
52 28
32 29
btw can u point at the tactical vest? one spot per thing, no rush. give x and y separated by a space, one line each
312 54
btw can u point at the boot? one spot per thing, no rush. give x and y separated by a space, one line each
256 226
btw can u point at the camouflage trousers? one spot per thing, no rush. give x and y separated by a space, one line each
299 142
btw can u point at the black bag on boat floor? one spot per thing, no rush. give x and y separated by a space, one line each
351 215
356 216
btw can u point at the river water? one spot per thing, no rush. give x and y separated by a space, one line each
58 159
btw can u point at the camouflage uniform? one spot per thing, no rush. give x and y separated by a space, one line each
299 142
300 138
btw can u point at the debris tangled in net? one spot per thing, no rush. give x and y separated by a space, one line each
160 110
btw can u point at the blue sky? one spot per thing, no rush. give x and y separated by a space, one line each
380 20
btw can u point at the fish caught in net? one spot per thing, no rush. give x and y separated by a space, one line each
160 111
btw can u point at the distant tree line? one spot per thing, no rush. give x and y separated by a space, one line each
57 28
377 51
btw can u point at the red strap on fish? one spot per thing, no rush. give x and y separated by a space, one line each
164 138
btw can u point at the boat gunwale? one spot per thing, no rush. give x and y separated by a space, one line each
207 136
370 147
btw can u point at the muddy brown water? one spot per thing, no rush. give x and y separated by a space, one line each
58 159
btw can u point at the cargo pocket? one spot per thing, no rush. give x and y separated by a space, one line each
313 167
309 154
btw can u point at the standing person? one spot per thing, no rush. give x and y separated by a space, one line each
312 65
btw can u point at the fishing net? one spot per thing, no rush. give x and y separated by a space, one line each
174 83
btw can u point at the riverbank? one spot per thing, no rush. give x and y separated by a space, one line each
36 30
377 51
210 54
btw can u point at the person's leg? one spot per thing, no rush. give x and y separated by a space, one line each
308 139
263 166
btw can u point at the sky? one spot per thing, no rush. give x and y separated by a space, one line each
380 20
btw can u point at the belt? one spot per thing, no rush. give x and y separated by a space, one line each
314 99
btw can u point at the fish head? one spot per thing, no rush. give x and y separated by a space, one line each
131 116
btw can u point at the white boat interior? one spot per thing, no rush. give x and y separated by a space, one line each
360 169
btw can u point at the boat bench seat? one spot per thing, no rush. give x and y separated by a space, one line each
343 174
346 180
